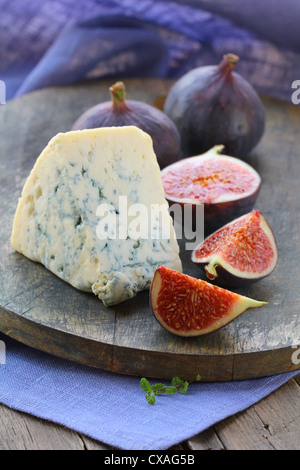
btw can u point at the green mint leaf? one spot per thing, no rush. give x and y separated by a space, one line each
198 377
184 387
176 381
170 390
145 385
150 397
158 389
161 389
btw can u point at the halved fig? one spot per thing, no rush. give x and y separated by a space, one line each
187 306
227 186
239 253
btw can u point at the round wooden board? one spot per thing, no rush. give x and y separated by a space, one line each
42 311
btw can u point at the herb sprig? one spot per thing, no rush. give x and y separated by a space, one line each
177 384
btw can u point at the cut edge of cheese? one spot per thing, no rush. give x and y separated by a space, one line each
56 218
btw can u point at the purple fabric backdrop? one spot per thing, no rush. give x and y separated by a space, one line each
61 41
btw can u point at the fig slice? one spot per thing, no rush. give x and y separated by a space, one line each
241 252
187 306
227 186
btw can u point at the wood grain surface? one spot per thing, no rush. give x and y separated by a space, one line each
44 312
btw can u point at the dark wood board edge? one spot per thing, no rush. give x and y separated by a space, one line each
211 368
131 361
56 342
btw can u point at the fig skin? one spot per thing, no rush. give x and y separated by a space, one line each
213 105
240 305
228 280
218 214
121 112
219 275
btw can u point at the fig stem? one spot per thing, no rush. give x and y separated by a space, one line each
118 95
216 149
211 271
231 59
227 65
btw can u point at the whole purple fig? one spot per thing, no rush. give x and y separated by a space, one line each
122 112
213 105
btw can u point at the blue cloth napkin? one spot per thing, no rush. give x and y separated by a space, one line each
57 42
112 408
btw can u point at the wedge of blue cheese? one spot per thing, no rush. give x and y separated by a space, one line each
79 181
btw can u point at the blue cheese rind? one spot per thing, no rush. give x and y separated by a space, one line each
56 219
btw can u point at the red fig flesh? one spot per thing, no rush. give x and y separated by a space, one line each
122 112
228 187
240 253
186 306
213 105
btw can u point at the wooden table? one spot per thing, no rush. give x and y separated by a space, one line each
271 424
